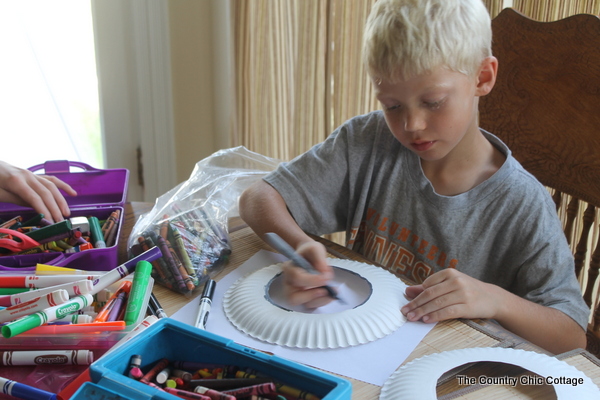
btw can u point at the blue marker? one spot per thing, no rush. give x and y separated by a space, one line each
22 391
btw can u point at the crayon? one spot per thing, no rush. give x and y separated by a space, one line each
34 221
105 311
43 316
39 282
184 274
184 394
50 230
135 361
123 270
96 233
213 394
112 232
136 373
73 289
8 224
19 310
110 222
42 248
72 236
23 391
118 307
159 267
228 383
283 389
259 389
149 376
171 383
46 357
172 267
139 286
184 375
80 248
163 375
179 247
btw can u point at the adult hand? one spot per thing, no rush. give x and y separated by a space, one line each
305 288
450 294
41 192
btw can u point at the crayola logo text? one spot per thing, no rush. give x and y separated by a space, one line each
57 359
68 309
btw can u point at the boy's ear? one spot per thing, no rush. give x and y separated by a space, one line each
486 77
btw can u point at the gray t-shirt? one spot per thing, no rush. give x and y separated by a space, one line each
504 231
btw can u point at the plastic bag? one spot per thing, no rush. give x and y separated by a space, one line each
189 223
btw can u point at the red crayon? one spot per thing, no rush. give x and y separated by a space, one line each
213 394
154 371
261 388
184 394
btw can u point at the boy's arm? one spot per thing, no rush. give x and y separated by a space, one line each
452 294
264 210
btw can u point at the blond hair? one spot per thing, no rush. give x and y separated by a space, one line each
404 38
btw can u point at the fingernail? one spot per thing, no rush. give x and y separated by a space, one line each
404 310
425 318
410 315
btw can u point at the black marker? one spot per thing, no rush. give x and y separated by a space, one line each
155 307
205 303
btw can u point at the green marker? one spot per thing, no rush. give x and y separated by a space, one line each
46 315
139 286
96 233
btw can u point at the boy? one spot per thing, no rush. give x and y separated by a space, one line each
421 189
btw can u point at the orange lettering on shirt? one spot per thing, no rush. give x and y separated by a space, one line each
394 228
413 240
403 262
420 272
442 260
424 243
370 212
403 234
453 263
353 234
382 226
432 252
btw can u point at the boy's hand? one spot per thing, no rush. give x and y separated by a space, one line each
450 294
41 192
302 287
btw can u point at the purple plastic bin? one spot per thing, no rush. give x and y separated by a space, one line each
99 193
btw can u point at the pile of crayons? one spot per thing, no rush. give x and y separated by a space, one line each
193 248
38 235
201 381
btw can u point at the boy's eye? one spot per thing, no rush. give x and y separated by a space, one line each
392 108
434 105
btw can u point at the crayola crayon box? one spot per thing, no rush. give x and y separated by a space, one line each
179 342
101 195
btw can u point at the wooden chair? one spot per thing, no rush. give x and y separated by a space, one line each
546 108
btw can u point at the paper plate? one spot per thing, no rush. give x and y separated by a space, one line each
418 379
249 307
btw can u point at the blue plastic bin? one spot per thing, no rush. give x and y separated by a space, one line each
177 341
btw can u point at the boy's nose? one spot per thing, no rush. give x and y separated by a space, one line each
414 121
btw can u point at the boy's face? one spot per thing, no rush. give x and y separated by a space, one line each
430 114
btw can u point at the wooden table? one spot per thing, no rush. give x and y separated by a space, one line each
447 335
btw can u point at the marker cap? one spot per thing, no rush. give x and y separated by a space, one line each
21 325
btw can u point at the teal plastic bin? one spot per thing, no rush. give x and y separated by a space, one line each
177 341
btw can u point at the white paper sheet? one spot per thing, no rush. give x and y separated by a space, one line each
372 362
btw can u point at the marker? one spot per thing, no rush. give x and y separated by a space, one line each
124 269
22 391
73 289
46 357
275 241
78 328
156 307
38 282
20 310
205 303
139 285
49 314
96 233
51 230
